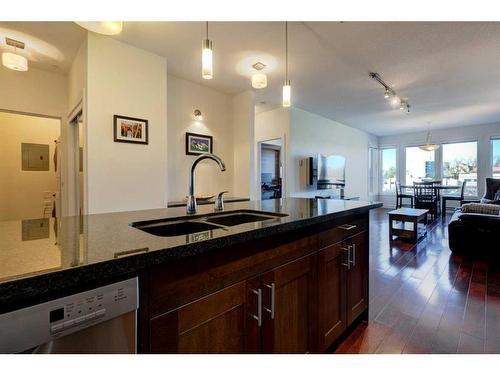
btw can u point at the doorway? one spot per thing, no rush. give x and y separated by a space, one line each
271 169
28 166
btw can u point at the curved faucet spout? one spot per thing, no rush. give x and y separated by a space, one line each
191 204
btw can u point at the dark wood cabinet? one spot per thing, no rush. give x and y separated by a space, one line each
357 277
332 289
289 305
218 323
342 287
284 295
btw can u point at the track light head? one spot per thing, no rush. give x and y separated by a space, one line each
387 94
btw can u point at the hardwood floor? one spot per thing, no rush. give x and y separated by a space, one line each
423 299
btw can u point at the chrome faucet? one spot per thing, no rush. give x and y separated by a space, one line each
191 202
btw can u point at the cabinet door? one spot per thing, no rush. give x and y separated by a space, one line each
332 284
221 322
357 277
289 303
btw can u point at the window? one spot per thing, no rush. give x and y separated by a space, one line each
388 169
373 171
495 161
460 164
419 165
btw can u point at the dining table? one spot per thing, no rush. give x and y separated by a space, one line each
438 187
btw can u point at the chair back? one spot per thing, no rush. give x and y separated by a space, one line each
492 186
462 190
398 190
425 191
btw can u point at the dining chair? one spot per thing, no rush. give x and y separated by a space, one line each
425 196
400 195
453 197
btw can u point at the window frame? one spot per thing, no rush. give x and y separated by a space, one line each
465 140
380 167
495 137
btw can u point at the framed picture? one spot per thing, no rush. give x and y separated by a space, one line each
198 144
130 130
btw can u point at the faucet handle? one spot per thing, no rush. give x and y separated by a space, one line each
219 201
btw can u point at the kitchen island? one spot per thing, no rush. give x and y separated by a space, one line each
291 283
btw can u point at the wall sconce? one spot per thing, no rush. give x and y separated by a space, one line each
197 115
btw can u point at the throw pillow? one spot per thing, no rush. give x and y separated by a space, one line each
481 208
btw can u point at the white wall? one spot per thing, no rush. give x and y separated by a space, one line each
35 91
216 108
243 106
271 125
312 134
77 76
125 80
480 133
22 192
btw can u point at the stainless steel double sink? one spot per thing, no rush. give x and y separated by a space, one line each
193 224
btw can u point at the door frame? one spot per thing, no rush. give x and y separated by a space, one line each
282 164
58 199
73 149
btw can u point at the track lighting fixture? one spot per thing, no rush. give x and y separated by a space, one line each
391 94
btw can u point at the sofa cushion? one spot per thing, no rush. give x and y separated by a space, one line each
481 208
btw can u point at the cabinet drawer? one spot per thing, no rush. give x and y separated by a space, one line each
173 286
343 231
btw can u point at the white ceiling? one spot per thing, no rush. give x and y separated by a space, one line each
48 45
450 72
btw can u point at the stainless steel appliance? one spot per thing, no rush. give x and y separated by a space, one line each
101 320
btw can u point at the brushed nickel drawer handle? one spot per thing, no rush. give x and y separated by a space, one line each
258 317
273 298
353 255
347 227
348 264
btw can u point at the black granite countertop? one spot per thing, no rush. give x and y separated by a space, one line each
48 255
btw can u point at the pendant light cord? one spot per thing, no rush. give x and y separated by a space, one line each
286 50
207 29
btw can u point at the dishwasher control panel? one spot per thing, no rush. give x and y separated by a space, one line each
39 324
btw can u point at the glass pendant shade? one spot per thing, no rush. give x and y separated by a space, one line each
287 93
206 60
14 61
259 81
103 27
428 145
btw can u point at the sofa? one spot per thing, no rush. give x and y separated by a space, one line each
474 229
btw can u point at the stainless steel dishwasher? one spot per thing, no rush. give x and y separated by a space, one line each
101 320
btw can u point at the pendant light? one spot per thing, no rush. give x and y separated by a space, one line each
287 89
103 27
13 60
429 146
259 79
206 57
